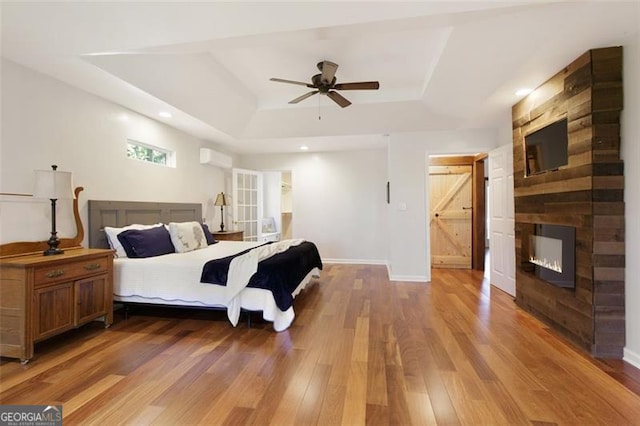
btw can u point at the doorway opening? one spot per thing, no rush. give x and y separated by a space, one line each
457 216
277 206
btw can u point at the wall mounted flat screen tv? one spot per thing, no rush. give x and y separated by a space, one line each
547 149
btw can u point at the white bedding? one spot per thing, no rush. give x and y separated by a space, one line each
174 279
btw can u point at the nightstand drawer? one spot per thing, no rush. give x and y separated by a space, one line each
70 271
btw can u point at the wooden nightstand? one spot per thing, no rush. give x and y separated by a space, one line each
42 296
229 235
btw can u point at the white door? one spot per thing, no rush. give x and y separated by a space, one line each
502 246
247 203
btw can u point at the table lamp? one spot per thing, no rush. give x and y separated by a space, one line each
54 185
221 200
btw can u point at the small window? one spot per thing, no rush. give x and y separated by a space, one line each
149 153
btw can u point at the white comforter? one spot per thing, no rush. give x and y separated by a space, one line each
174 279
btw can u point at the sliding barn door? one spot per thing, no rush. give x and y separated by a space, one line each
247 203
450 201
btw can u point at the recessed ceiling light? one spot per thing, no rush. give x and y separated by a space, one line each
164 114
304 148
524 91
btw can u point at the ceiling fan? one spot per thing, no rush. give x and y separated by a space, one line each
325 84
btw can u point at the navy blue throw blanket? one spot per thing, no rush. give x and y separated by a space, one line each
280 273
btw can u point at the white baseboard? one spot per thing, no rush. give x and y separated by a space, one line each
410 278
356 261
631 357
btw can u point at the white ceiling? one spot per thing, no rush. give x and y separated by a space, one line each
441 65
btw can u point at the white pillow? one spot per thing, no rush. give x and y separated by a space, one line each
187 236
114 242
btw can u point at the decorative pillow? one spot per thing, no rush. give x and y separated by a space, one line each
187 236
208 235
112 236
150 242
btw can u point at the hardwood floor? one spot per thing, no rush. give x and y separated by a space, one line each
362 350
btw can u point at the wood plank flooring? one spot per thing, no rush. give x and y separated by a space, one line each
362 350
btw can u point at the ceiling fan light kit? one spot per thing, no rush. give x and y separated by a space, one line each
325 83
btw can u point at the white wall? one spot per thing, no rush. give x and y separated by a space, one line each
408 249
630 153
361 226
338 201
45 121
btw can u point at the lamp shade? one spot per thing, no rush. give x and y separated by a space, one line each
221 200
53 184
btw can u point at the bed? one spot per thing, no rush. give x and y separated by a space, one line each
256 276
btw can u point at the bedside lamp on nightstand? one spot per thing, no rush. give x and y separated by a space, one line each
54 185
221 200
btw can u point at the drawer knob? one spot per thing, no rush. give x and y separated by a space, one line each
92 266
55 273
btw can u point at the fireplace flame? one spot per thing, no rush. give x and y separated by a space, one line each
554 265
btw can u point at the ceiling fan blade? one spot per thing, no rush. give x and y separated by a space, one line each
303 97
361 85
328 71
280 80
338 98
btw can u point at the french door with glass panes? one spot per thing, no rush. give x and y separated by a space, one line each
247 203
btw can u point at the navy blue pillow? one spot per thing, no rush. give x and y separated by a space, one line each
138 243
208 235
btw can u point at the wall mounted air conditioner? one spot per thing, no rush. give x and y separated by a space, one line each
214 158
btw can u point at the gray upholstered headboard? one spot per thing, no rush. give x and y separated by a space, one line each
122 213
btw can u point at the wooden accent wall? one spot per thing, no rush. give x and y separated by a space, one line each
586 194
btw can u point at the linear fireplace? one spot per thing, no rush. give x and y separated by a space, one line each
550 254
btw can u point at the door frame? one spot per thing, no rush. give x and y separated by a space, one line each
478 213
